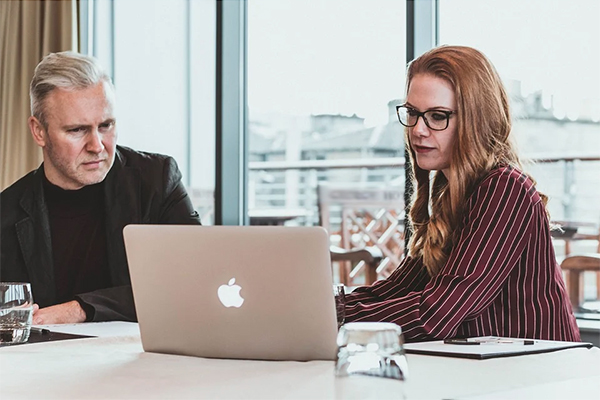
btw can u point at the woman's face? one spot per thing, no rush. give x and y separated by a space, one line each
432 148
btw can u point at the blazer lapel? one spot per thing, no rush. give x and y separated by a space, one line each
122 207
33 233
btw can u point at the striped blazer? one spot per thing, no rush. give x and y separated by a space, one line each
500 279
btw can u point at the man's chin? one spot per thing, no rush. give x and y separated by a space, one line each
93 178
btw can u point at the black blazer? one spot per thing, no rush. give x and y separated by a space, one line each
140 188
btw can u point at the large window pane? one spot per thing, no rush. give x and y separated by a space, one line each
548 54
164 74
323 78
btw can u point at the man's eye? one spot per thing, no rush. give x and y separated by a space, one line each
76 130
106 125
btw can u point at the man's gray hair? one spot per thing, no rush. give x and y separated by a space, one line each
65 70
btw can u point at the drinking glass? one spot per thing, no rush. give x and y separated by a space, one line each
16 311
340 303
371 348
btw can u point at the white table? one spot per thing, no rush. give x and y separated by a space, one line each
113 366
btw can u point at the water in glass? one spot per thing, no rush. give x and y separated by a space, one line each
371 348
16 311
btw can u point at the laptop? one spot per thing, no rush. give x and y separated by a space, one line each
245 292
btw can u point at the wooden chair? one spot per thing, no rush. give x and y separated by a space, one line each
596 237
574 266
368 220
571 232
369 256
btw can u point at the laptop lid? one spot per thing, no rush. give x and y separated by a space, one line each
245 292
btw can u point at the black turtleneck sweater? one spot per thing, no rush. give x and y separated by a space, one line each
78 240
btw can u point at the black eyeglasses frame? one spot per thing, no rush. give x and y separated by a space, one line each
447 113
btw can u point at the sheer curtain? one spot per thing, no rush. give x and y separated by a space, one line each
28 31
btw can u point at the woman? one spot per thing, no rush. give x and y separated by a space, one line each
480 260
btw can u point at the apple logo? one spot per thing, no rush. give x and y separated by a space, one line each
230 294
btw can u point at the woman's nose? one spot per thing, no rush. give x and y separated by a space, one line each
420 128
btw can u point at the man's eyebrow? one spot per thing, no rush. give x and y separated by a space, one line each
73 126
88 126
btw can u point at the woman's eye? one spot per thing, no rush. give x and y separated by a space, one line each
437 116
411 112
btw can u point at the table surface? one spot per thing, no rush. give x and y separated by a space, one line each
114 365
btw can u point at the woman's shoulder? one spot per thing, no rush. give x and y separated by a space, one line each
506 178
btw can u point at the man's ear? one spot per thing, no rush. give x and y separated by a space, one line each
37 131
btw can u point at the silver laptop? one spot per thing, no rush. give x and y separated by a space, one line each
246 292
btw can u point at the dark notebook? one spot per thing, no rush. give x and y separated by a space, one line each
45 335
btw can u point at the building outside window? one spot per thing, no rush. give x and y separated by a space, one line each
323 80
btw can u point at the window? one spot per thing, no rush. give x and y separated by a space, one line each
548 54
163 61
323 80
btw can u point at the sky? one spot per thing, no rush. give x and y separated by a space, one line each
348 56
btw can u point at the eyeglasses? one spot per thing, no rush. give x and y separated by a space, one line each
436 120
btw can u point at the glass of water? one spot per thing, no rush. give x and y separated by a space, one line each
16 311
371 348
339 294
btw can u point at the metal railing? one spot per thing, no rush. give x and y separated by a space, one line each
571 182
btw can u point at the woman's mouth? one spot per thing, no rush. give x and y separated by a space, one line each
423 149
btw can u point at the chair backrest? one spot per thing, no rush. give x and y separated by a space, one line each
575 265
359 216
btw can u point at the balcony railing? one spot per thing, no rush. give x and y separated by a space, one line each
571 182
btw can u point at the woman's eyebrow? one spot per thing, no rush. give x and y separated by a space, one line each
442 108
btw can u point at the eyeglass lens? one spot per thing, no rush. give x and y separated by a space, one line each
433 119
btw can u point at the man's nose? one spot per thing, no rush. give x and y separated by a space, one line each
94 144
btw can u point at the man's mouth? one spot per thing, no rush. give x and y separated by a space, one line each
92 163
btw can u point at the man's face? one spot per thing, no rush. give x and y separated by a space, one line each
80 138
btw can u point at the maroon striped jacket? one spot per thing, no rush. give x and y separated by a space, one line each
501 278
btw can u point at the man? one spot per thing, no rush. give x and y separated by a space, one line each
62 224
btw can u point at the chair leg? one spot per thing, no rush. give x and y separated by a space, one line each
371 273
344 271
575 288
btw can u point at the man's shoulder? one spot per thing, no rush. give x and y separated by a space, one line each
153 168
11 196
136 158
14 191
150 165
